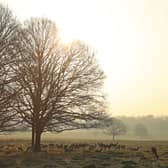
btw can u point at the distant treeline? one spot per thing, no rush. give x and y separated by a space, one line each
156 127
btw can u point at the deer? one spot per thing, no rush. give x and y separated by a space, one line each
154 151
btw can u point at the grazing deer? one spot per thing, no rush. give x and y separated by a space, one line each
154 151
135 148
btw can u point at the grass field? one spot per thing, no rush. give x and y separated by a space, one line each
126 154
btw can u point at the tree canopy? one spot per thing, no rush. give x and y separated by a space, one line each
114 127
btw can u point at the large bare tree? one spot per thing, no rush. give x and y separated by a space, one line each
8 43
61 83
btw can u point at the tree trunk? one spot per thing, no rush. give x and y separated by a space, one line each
37 147
113 137
33 136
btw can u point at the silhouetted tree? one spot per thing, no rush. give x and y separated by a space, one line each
8 48
114 127
61 84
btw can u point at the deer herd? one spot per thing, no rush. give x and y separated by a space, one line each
76 147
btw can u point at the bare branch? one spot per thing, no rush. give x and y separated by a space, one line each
8 50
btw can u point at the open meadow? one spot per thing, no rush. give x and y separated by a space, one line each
78 153
83 84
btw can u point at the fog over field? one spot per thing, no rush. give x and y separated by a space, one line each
83 84
156 128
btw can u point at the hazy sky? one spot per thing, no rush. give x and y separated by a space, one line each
131 40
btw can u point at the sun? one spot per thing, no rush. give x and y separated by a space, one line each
67 36
124 40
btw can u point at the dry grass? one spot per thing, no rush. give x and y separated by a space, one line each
136 154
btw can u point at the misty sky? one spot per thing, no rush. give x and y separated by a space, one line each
131 41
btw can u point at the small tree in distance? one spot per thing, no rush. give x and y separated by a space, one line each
114 127
141 131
